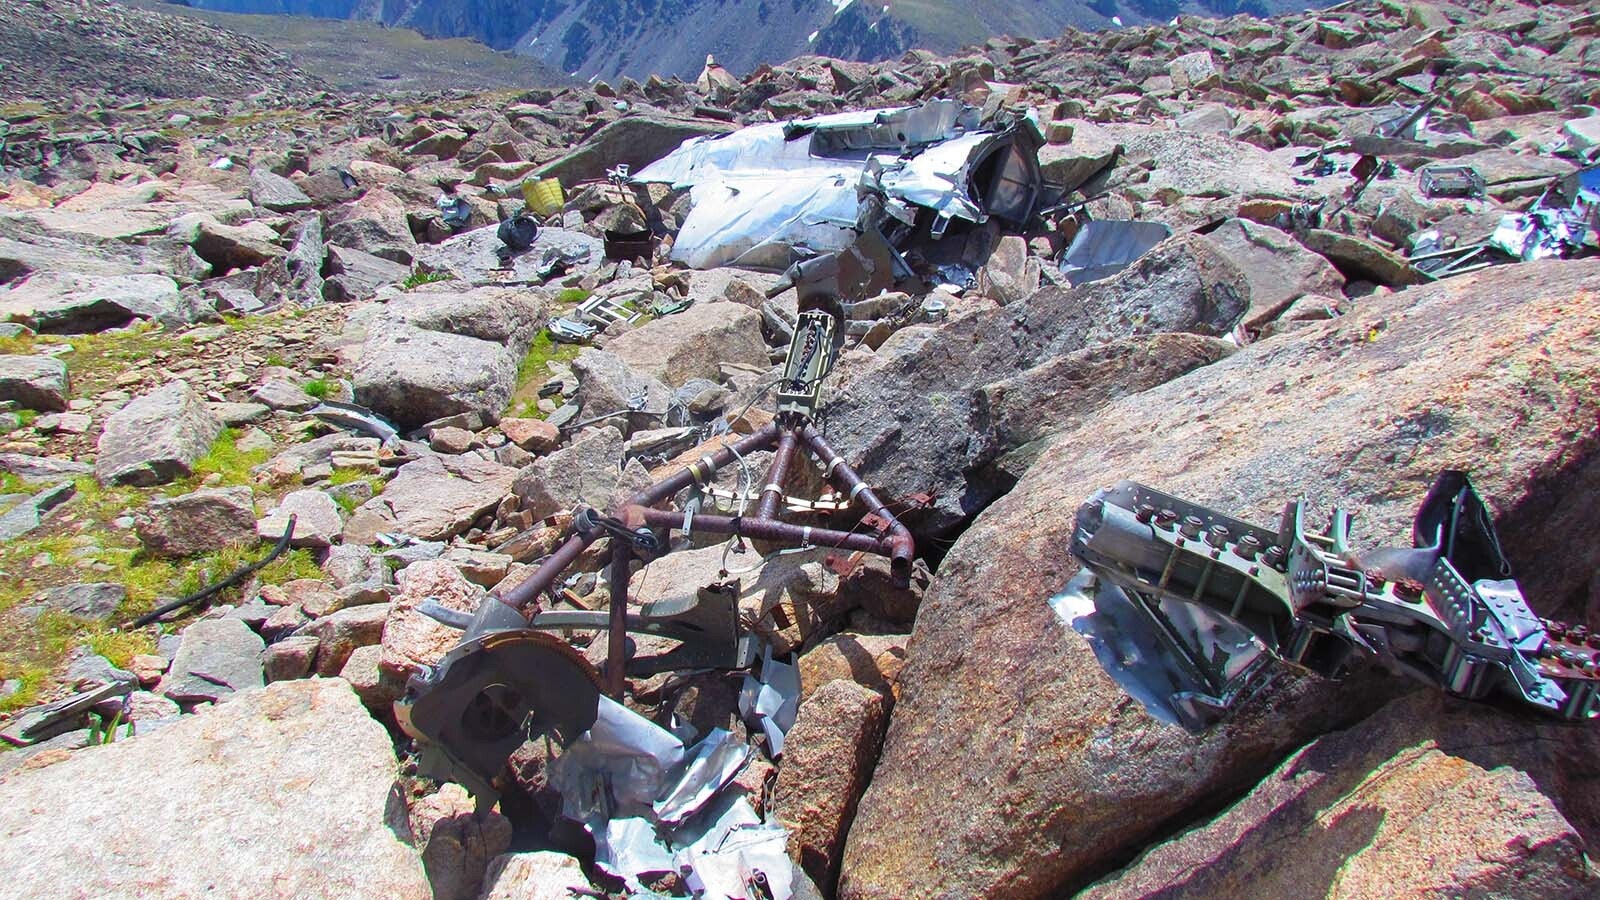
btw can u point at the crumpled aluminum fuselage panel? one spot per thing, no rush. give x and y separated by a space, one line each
768 194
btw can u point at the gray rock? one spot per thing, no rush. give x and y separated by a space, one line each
411 376
227 247
354 275
281 393
91 670
906 418
636 141
1278 268
584 471
43 468
295 766
200 522
156 438
88 601
340 633
1060 392
78 304
827 761
606 385
375 224
317 519
500 315
276 192
693 343
1461 782
1209 118
538 875
1358 258
433 498
29 514
240 413
34 382
217 658
290 658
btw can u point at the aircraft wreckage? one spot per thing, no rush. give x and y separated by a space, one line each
1187 607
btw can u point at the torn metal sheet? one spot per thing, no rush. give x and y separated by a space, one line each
1103 248
1538 234
355 418
772 701
654 807
769 194
711 764
1138 653
616 769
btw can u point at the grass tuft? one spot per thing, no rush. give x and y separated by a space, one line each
417 279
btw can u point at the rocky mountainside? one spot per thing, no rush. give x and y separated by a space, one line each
263 352
52 48
609 39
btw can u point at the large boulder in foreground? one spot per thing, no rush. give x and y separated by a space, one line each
1048 773
156 438
1430 797
287 791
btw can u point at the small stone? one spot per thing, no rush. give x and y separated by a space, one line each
289 658
317 519
343 632
451 440
34 382
279 393
148 668
532 435
89 601
144 706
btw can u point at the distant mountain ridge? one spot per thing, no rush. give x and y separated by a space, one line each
612 38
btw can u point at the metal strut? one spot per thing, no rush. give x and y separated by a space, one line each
482 674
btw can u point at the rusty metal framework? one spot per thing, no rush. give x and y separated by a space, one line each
509 679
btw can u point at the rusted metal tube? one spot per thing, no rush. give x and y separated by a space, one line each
617 635
540 581
770 530
777 475
901 547
704 468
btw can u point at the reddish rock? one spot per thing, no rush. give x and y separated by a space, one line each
1046 770
827 759
532 435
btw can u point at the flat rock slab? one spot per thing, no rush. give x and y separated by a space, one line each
693 343
199 522
34 382
1431 797
432 499
317 519
156 438
217 658
285 792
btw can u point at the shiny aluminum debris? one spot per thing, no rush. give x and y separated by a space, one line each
769 194
1218 596
655 806
1103 248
